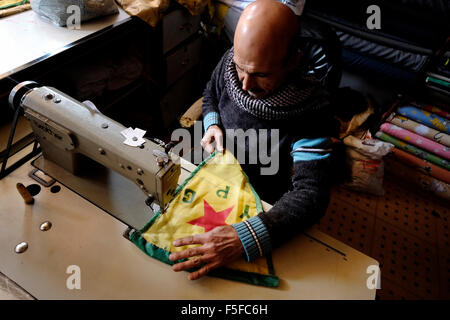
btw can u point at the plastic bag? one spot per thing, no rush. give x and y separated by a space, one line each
60 11
365 159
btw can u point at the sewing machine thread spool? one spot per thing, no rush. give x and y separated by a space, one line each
26 195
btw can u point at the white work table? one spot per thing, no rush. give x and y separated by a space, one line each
312 266
27 39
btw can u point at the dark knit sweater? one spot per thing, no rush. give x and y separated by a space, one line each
299 191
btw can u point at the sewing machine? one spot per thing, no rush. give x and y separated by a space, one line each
74 135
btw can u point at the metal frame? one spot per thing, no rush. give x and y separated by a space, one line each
4 171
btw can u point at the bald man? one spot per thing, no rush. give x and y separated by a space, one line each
260 84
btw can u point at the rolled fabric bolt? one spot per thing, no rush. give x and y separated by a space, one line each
416 140
26 195
423 166
414 150
421 129
425 117
413 177
433 109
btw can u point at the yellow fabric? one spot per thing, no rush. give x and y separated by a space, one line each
221 185
13 10
195 7
353 126
150 11
10 3
219 16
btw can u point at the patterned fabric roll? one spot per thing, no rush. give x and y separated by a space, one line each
412 176
420 129
414 150
433 109
416 140
426 118
423 166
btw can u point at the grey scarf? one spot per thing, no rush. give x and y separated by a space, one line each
289 101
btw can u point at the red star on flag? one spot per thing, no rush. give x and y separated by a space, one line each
211 218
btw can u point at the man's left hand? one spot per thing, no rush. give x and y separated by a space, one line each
218 247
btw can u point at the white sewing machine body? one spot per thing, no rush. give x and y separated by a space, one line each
71 133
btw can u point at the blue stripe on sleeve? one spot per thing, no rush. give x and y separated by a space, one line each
247 234
311 149
210 119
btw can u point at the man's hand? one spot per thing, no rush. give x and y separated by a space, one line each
218 247
214 133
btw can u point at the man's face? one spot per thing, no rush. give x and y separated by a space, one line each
258 76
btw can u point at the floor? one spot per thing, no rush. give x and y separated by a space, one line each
405 230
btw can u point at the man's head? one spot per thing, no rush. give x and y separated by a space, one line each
263 46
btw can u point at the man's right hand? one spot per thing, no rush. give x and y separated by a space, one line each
214 133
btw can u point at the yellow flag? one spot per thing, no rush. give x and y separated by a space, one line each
4 4
216 193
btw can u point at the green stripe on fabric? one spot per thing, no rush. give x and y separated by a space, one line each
13 4
247 277
224 273
438 81
259 207
413 150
